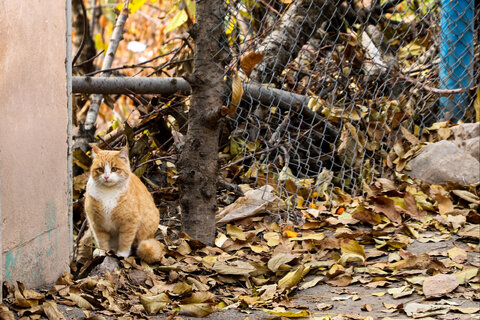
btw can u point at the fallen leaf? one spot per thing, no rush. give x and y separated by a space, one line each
197 309
238 267
80 301
289 314
351 251
457 255
273 238
51 311
278 259
466 275
439 285
400 292
5 313
291 279
236 233
387 207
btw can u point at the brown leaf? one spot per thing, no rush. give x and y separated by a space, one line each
5 313
409 136
197 309
154 304
366 215
412 209
237 268
351 251
51 311
278 259
445 204
439 285
249 61
237 93
387 207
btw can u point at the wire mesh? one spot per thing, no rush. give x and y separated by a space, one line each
358 72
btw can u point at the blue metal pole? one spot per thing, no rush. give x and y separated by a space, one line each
456 55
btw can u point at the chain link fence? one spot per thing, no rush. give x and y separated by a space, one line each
338 80
329 89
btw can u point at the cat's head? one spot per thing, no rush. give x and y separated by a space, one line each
110 168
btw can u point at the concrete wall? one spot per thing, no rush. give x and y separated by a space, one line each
33 141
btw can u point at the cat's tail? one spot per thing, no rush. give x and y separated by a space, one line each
150 250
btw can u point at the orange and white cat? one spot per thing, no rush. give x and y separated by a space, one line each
120 209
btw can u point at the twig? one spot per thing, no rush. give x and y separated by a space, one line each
138 65
230 186
84 35
89 60
443 92
77 241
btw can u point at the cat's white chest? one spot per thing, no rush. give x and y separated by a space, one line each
108 196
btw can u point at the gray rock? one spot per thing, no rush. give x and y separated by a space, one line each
466 131
444 161
109 263
467 137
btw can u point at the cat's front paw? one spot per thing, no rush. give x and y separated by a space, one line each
123 254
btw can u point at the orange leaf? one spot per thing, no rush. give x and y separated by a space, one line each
289 234
340 210
250 61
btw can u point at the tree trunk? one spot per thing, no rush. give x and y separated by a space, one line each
198 163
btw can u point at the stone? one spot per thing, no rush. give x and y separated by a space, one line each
108 264
444 161
439 285
466 131
467 137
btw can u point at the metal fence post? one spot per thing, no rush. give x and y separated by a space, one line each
456 55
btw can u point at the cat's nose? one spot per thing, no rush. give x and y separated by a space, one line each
106 177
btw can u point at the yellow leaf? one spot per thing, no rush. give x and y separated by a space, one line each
273 239
457 254
291 279
236 233
289 314
314 236
248 62
180 18
237 93
466 275
351 251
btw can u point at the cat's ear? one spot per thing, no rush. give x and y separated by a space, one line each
124 154
95 150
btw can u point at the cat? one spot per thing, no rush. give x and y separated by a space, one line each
119 208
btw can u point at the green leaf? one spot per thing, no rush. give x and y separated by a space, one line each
180 18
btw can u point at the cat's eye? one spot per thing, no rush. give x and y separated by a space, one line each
100 170
114 169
